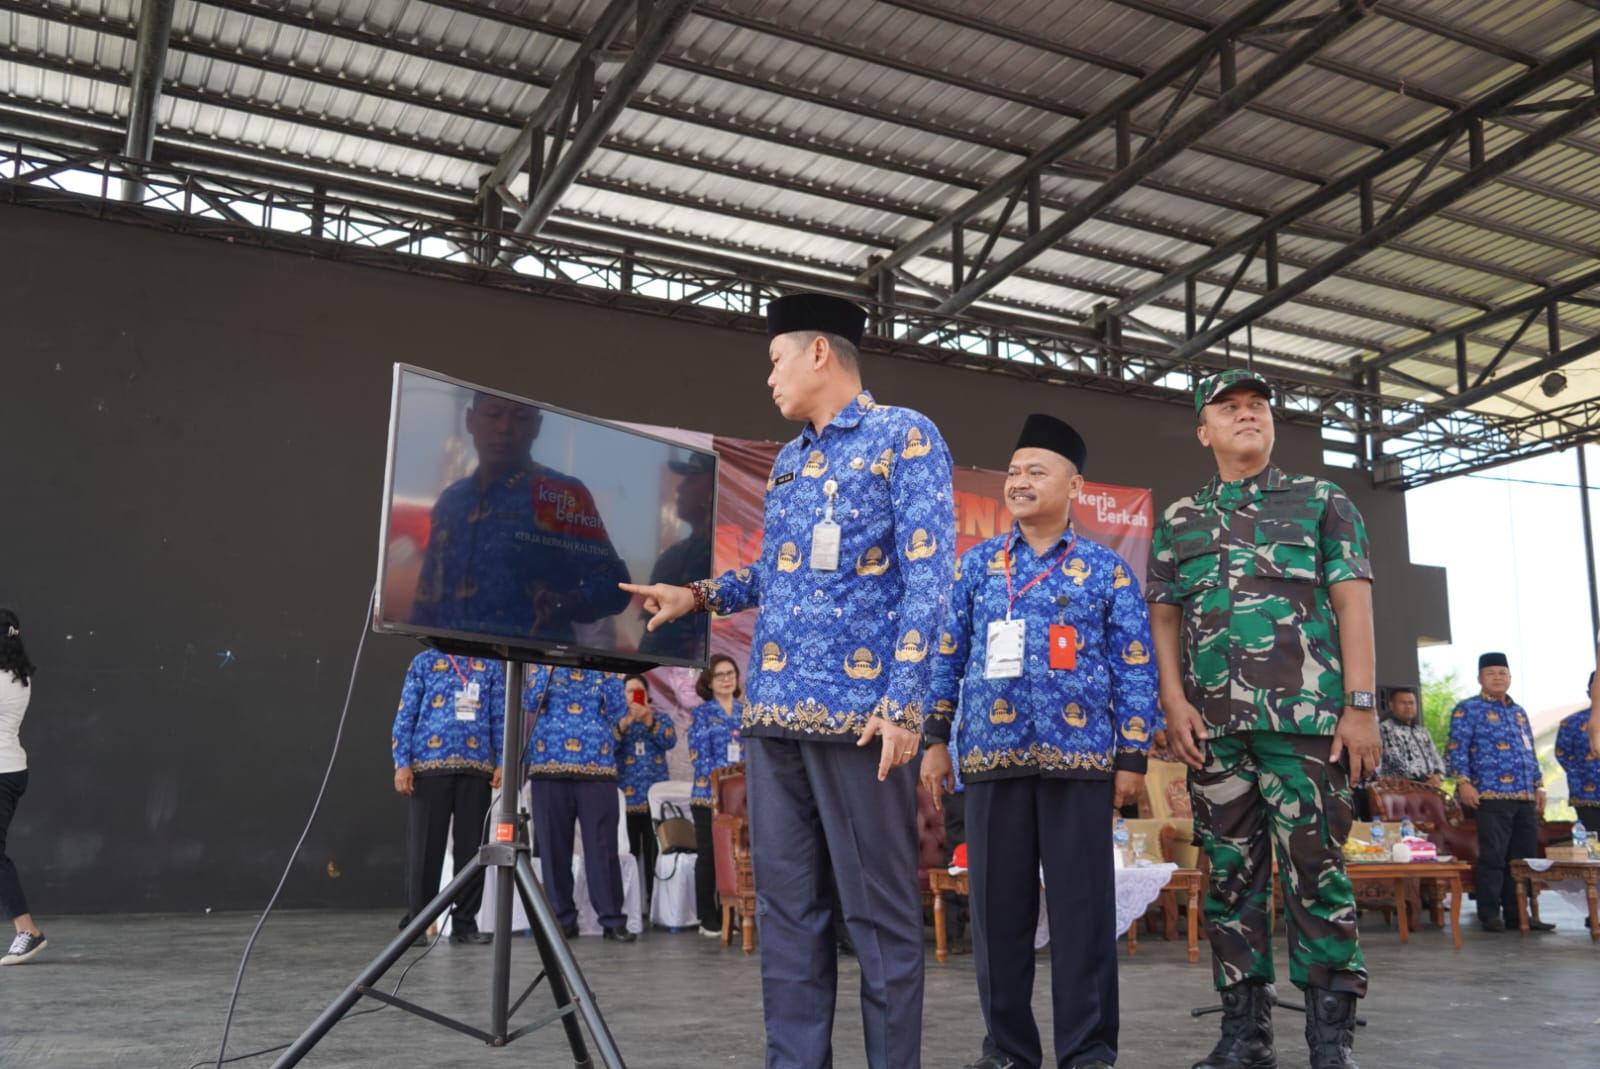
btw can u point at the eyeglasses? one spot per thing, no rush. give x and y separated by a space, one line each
730 674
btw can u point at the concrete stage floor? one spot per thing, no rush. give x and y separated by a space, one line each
151 991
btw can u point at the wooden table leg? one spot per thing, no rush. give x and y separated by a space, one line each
1523 890
1133 937
1437 906
1400 909
1457 893
941 950
1593 894
1192 932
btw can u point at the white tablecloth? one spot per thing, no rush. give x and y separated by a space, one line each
1137 890
588 923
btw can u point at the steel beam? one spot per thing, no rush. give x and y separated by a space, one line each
1361 178
611 22
1114 114
1398 223
149 64
1329 28
558 177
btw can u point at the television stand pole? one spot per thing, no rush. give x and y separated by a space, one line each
506 856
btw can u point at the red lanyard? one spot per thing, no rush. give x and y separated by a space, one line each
1011 599
459 672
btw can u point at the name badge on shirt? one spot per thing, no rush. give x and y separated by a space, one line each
1004 657
1063 647
638 748
825 547
733 752
467 703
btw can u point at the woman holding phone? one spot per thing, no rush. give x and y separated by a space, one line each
16 674
713 744
644 737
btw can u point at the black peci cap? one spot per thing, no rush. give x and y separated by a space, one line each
1040 431
1493 660
819 312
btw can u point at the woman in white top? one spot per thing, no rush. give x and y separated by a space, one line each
16 673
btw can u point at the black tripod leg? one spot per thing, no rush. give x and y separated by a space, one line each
561 969
379 965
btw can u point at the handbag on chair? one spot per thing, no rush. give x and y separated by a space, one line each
675 831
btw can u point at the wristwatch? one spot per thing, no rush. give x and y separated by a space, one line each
1360 699
929 740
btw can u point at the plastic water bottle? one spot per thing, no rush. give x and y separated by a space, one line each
1119 837
1408 830
1379 835
1580 835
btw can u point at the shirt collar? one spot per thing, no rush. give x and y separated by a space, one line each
1267 479
1014 539
851 415
1496 701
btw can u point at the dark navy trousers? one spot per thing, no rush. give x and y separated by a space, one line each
593 804
1013 827
819 817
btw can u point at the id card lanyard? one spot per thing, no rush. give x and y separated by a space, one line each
467 699
1006 640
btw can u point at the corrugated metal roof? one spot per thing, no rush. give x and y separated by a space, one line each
832 132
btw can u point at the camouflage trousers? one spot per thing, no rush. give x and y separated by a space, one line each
1257 784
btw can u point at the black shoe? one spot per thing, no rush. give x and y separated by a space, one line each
1097 1063
1491 924
1330 1028
1540 926
420 941
619 934
992 1061
1246 1041
570 930
470 935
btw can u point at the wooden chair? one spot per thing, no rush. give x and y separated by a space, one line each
1166 784
730 839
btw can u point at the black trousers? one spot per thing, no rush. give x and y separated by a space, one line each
705 870
593 806
1013 827
642 844
1508 830
1590 816
436 800
12 787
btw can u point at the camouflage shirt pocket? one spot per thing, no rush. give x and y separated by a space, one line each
1286 548
1197 552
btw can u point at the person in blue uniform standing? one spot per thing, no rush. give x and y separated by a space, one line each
1491 755
713 744
572 776
1581 766
1046 655
516 548
855 570
446 747
643 739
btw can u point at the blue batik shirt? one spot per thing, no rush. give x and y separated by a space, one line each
832 648
526 555
1491 747
713 744
1084 722
642 758
1582 767
574 735
430 735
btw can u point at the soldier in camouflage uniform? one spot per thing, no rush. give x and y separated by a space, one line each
1261 615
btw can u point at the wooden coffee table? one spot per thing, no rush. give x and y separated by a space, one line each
940 880
1585 872
1444 875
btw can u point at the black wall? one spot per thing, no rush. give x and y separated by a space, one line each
193 437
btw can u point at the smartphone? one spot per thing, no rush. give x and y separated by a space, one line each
636 695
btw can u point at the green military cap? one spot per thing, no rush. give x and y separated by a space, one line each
1214 386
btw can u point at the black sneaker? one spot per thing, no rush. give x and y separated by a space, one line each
470 935
993 1061
25 947
1540 926
570 930
1492 924
619 934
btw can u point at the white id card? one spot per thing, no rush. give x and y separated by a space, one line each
472 691
1004 660
825 547
467 703
733 752
638 748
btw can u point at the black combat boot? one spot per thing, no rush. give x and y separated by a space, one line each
1246 1041
1330 1028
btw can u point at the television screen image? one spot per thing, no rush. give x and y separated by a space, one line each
507 525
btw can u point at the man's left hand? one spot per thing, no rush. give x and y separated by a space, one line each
1125 788
1357 733
494 781
899 744
1539 800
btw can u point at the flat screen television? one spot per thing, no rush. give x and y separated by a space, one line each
508 523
